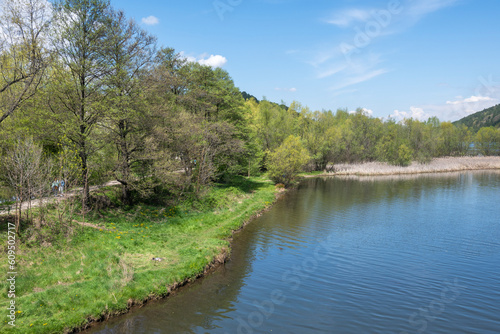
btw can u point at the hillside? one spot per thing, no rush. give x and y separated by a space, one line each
485 118
247 96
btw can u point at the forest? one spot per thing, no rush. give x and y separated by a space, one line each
87 96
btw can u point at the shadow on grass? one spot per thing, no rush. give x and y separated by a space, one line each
241 183
6 219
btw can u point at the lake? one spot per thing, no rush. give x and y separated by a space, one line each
409 254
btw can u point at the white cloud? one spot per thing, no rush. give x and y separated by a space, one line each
365 111
368 111
415 113
212 60
150 20
346 17
472 99
331 71
449 111
420 8
344 92
293 89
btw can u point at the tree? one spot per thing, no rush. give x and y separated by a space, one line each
366 132
388 146
321 137
488 141
127 121
23 53
82 41
285 163
27 173
405 155
273 124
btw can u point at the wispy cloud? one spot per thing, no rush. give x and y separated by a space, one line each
292 90
352 61
353 80
150 20
419 8
331 71
346 17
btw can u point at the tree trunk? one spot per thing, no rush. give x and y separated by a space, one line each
85 180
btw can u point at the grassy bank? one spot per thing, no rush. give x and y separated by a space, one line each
437 165
106 267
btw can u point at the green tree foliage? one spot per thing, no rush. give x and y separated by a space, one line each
200 120
388 146
488 141
287 161
405 155
82 40
128 120
272 122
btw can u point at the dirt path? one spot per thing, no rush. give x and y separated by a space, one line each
37 202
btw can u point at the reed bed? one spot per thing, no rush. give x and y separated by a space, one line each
438 165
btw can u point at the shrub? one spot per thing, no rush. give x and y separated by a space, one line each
287 161
405 155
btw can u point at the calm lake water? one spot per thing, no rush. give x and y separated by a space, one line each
417 254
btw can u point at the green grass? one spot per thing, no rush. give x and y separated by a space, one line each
102 271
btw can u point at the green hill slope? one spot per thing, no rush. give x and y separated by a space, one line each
485 118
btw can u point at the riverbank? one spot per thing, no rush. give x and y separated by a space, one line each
437 165
125 258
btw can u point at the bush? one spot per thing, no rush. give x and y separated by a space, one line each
405 155
285 163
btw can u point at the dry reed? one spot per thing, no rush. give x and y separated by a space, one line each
438 165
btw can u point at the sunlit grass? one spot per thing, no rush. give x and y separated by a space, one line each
104 270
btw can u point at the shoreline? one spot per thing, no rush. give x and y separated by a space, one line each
437 165
213 242
217 261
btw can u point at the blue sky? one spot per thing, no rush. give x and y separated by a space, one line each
406 58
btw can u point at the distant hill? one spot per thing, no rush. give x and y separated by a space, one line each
247 96
485 118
